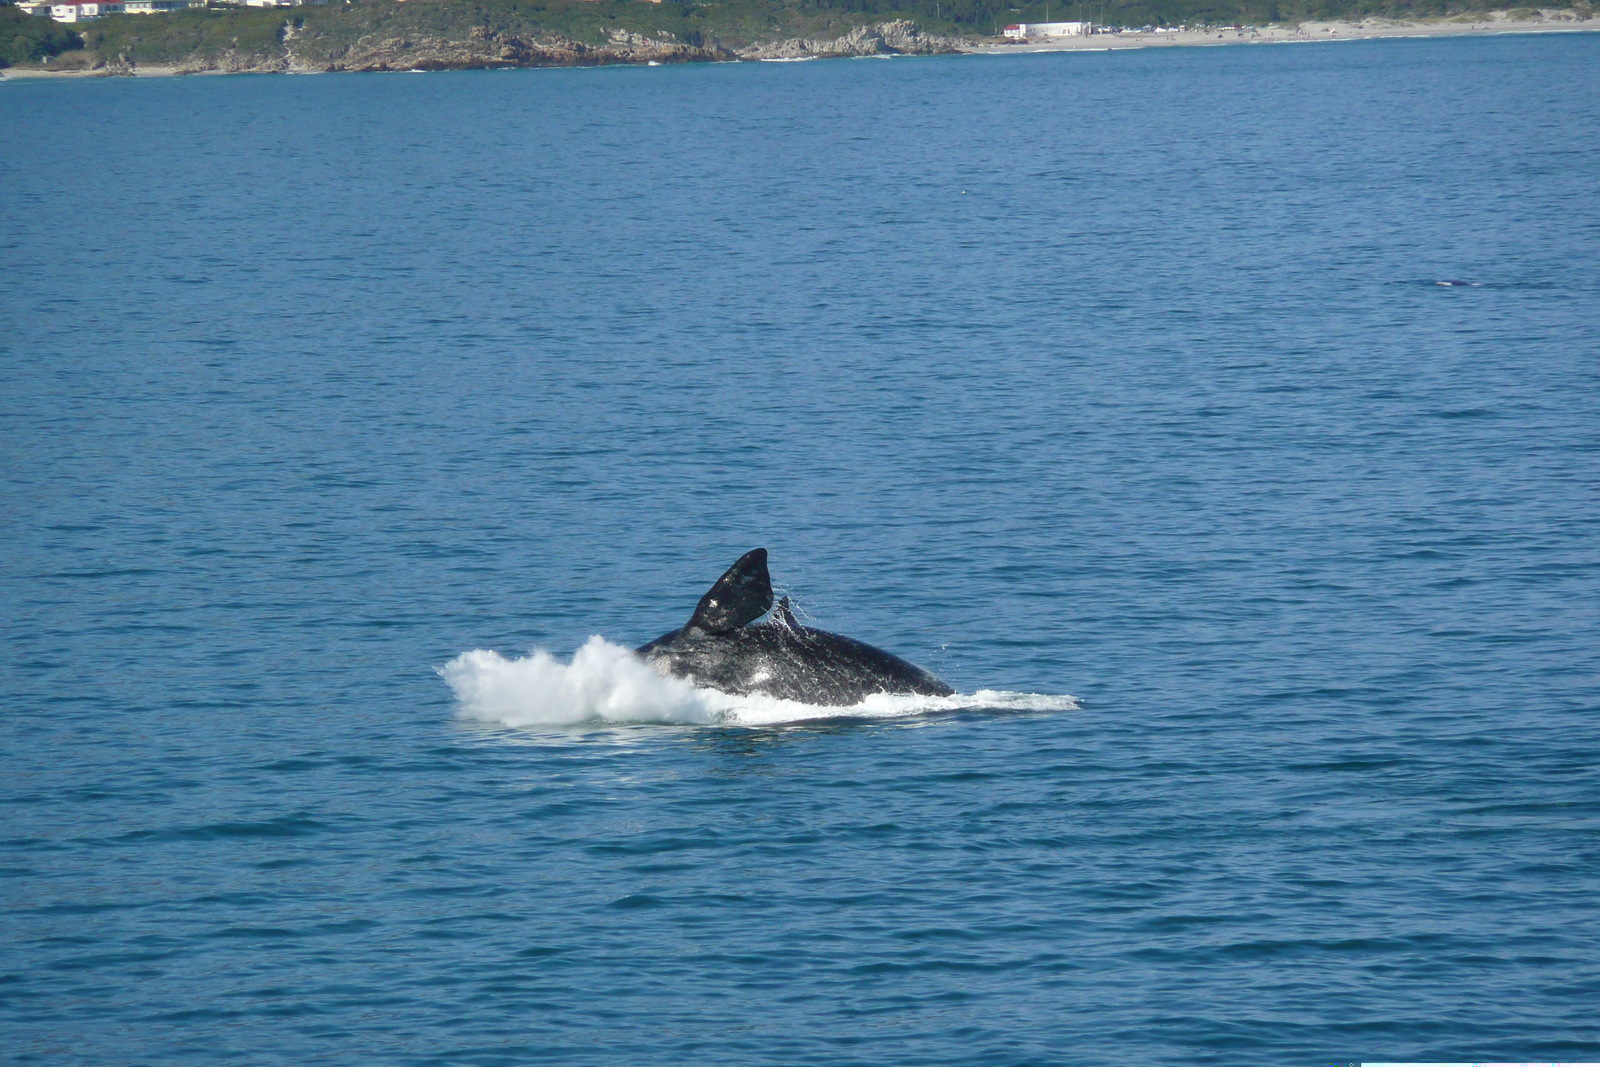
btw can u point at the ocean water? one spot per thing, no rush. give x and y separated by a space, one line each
1119 389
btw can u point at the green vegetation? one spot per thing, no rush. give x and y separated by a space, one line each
171 38
29 39
242 38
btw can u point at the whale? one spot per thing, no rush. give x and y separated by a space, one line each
723 647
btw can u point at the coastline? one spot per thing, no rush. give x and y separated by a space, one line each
38 73
385 46
885 39
1492 24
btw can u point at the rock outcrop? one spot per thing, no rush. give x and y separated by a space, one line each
484 49
391 48
900 37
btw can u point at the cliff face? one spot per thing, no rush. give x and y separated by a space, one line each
900 37
300 48
483 48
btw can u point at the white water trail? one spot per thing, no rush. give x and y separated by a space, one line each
606 683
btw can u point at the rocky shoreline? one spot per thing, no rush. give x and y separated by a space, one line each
482 48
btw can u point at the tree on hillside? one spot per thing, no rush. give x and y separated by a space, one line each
28 38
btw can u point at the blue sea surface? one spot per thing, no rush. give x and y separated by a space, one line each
1126 376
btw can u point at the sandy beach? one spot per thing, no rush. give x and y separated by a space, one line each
1364 30
103 72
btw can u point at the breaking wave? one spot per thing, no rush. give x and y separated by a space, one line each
606 683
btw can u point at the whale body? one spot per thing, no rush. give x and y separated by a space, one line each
719 648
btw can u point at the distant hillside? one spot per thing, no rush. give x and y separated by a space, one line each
469 34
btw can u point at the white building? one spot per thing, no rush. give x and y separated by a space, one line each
36 8
78 12
1023 31
280 3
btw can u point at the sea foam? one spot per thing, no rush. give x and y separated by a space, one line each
605 683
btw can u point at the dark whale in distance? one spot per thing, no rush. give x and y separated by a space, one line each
778 658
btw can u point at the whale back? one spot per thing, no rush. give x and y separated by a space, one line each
791 662
741 596
719 649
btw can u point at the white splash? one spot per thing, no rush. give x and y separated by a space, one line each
606 683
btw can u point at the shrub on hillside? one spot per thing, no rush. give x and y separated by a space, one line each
28 38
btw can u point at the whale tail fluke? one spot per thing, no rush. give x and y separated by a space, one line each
740 596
